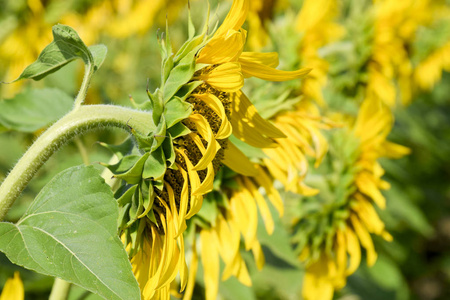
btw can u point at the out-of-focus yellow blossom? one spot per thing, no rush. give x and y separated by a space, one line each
260 12
328 270
396 23
315 24
13 289
429 71
287 162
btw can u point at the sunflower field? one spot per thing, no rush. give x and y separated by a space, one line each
225 149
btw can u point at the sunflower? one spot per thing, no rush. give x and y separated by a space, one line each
315 24
13 289
390 66
198 106
330 238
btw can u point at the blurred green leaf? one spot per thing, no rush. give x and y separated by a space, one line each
34 109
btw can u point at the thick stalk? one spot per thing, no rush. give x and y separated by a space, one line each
78 121
60 290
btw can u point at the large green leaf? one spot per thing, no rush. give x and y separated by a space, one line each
34 109
70 232
66 47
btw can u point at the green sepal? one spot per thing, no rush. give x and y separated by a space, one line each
159 184
176 110
157 104
186 90
134 174
127 195
134 208
159 134
151 216
169 151
123 165
155 165
144 142
148 198
177 130
179 75
191 27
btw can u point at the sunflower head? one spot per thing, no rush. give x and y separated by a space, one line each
334 225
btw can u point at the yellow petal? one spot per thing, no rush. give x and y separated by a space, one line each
263 207
354 251
254 68
210 261
249 126
365 239
235 17
192 274
13 289
225 77
265 181
216 105
223 48
238 162
205 131
258 254
194 180
269 59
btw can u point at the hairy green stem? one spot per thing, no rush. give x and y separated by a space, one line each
60 290
78 121
88 72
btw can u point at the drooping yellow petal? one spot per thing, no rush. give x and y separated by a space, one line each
205 131
244 208
225 77
316 283
249 126
263 207
210 260
269 59
192 274
258 254
13 289
254 68
365 239
238 162
194 180
354 251
214 103
264 180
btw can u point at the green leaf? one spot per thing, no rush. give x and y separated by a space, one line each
66 47
34 109
176 110
69 231
99 54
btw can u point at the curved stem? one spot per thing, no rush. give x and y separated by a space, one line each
83 118
60 290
